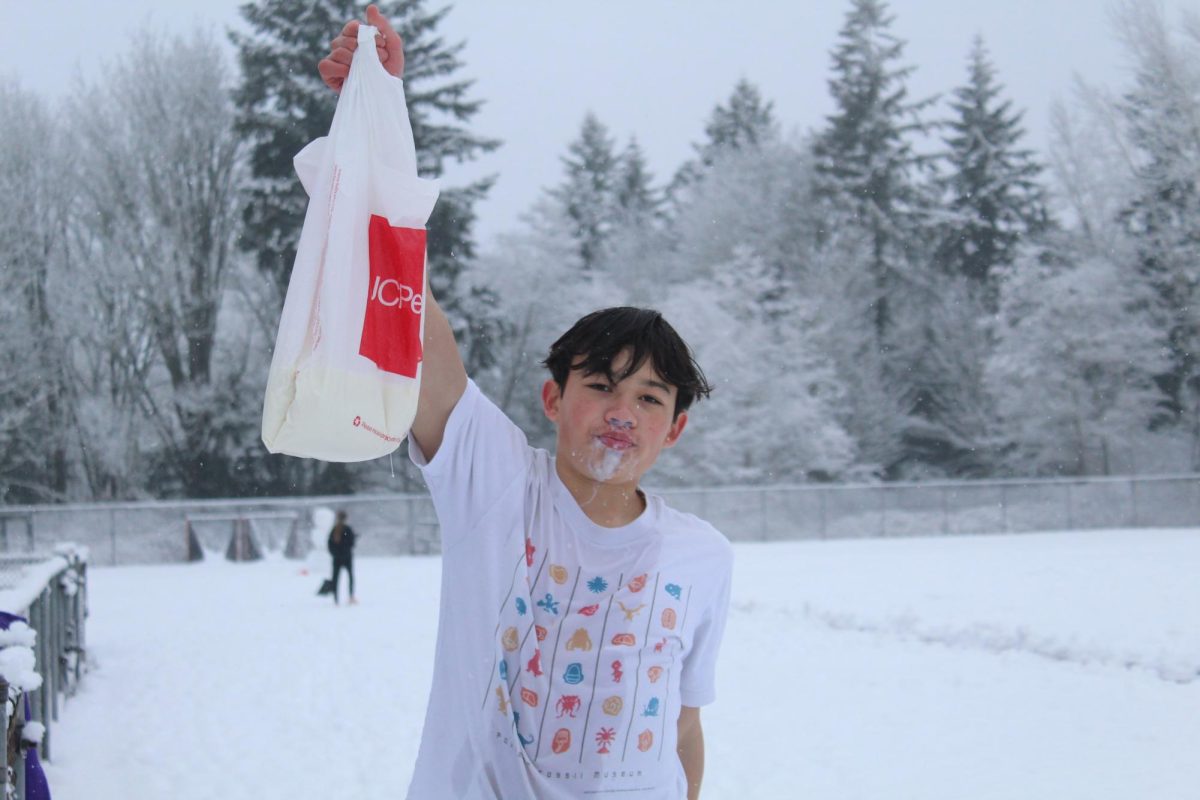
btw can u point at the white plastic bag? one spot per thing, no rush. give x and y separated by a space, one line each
346 370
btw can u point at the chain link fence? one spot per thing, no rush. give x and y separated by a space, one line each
944 508
400 524
156 532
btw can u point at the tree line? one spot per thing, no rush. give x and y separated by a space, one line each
906 292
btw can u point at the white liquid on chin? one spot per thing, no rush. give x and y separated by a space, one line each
604 465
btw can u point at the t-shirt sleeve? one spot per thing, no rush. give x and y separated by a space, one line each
481 454
698 684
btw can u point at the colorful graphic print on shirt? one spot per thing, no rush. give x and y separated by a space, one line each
583 658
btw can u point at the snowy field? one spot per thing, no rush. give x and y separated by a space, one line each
1053 666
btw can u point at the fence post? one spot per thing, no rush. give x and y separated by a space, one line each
1070 513
1133 501
883 493
19 767
945 491
50 668
43 656
762 509
411 504
78 612
4 765
1004 507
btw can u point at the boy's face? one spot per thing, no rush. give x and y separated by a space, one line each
613 433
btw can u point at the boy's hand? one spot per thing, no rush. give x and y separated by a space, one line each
336 66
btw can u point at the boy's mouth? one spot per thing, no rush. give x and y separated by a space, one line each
615 441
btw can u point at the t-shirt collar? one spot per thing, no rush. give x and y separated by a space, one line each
643 526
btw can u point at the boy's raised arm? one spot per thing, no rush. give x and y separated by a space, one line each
443 377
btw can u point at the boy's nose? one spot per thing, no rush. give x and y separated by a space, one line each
619 417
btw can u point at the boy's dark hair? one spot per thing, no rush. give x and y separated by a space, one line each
603 335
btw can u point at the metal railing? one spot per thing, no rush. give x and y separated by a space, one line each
50 591
403 524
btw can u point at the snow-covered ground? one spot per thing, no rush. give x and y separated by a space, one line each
1052 666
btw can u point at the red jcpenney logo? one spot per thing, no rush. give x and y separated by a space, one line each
391 333
358 423
392 293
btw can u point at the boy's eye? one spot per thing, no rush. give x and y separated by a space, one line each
649 398
602 387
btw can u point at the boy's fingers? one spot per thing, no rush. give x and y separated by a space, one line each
342 54
344 42
333 73
376 18
335 67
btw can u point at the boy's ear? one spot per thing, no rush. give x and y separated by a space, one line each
676 429
551 396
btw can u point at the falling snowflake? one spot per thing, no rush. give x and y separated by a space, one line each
597 584
549 603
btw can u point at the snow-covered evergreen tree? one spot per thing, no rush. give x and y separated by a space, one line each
635 196
871 193
740 285
865 158
942 337
1076 352
1162 122
873 412
755 197
635 254
744 121
588 192
991 189
774 413
990 201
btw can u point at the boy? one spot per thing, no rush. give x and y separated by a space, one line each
580 616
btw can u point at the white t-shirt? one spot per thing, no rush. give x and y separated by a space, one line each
565 649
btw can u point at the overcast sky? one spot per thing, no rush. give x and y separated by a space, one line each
648 69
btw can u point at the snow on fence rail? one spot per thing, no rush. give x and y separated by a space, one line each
43 661
396 524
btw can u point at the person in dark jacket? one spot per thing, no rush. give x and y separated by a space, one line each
341 547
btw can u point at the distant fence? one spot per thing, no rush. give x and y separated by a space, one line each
394 524
841 511
156 532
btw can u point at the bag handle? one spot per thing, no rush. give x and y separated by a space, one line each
366 44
